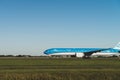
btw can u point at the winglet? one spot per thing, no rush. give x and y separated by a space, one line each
117 46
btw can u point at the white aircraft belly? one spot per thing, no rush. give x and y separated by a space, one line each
103 54
63 54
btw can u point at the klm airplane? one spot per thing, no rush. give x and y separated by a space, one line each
85 52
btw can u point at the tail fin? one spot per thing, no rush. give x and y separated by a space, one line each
117 46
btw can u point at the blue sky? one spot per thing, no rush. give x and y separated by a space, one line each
31 26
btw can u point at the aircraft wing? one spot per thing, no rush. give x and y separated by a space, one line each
87 54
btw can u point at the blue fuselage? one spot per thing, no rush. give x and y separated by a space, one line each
79 50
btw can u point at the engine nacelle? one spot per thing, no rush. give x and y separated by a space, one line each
80 55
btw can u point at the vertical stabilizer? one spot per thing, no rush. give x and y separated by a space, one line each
117 46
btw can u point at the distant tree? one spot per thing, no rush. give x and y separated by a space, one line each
9 56
23 56
2 55
19 55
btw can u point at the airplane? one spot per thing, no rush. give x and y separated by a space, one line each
85 52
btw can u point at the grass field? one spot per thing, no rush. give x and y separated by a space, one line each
59 69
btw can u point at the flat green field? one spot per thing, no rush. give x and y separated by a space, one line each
59 69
